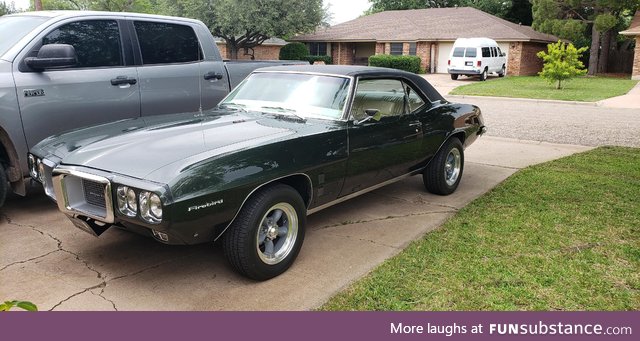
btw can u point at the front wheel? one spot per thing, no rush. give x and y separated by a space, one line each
266 236
443 173
454 77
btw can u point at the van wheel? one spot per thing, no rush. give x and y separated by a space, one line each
454 77
483 75
502 72
4 185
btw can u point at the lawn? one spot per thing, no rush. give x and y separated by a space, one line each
583 89
564 235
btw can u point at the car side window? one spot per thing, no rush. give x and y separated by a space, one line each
385 95
97 42
164 43
486 52
415 102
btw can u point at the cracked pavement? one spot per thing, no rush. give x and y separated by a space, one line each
44 259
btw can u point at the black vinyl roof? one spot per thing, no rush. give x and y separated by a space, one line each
361 72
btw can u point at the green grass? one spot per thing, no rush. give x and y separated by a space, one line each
564 235
583 89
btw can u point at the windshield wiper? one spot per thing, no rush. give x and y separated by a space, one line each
288 111
232 105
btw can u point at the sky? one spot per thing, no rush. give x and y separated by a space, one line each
343 10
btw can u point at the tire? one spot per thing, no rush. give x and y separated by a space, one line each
454 77
443 173
4 185
483 75
246 242
502 72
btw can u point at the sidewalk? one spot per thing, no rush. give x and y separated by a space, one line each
631 100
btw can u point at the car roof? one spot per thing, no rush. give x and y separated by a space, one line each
79 14
356 71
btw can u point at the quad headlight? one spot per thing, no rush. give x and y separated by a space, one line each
131 202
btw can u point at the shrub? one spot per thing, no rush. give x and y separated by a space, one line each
294 51
406 63
311 59
561 63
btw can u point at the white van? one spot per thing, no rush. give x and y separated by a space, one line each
476 57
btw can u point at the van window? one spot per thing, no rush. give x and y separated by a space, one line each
486 52
471 52
458 52
499 52
494 52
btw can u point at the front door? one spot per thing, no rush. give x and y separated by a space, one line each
55 100
387 146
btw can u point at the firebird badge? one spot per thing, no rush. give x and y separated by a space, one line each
33 92
206 205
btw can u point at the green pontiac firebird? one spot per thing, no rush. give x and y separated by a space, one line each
287 142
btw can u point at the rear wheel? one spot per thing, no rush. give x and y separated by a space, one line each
454 77
266 237
4 185
444 171
483 75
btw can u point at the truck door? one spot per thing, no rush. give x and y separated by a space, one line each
175 74
101 88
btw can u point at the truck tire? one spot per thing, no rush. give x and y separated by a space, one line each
454 77
266 236
4 185
483 75
502 72
443 173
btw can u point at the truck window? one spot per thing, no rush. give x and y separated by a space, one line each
97 42
162 43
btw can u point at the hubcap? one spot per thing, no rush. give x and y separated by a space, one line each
277 233
452 167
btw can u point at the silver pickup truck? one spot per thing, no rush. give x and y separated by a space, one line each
61 70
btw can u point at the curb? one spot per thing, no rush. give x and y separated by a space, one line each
529 100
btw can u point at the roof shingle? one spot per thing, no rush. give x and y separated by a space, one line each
432 24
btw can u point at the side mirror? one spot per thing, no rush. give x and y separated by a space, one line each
53 56
503 54
371 114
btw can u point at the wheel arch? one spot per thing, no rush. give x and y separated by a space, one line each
300 182
11 162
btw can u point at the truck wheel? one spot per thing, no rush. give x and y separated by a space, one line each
266 236
443 173
502 72
454 77
4 185
483 75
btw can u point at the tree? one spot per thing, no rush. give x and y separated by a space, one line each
7 8
520 12
140 6
571 19
561 63
245 24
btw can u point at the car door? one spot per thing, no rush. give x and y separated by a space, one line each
101 88
387 146
175 75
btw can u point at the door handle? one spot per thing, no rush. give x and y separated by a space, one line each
212 75
120 80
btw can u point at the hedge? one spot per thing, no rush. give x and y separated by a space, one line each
406 63
294 51
326 59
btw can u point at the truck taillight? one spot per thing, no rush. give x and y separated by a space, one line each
449 62
479 63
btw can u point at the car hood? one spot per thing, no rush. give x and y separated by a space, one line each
138 147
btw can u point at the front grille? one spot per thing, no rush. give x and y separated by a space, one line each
94 193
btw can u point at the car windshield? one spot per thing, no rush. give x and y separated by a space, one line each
12 29
301 95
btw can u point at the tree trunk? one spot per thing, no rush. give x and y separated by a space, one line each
603 63
233 51
594 52
37 4
559 85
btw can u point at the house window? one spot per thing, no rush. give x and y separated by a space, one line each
318 49
396 49
412 49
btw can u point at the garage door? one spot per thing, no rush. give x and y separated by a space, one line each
443 56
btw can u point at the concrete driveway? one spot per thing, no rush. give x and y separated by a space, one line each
44 259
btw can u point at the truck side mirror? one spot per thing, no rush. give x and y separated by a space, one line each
53 56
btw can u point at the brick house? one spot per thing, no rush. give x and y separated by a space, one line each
634 31
429 34
269 50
